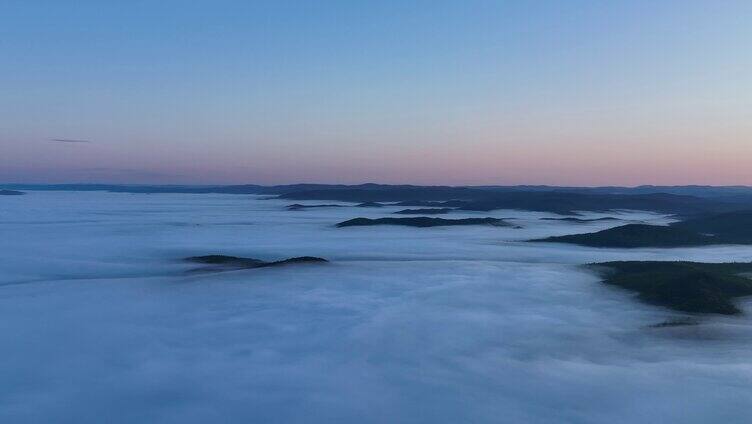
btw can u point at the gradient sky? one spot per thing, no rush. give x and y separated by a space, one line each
424 92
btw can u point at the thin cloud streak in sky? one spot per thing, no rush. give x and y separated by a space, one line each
69 140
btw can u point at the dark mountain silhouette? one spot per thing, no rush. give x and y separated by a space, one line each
387 194
682 200
635 235
425 211
299 207
732 227
422 222
219 262
561 202
684 286
581 220
725 228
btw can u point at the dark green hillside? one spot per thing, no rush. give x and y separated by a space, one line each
581 220
725 228
218 262
684 286
432 204
476 199
731 227
422 222
635 235
425 211
299 207
567 203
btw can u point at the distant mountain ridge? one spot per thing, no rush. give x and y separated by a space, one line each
680 200
689 190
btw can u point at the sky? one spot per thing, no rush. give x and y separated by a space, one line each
422 92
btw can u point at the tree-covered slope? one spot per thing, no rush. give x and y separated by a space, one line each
725 228
685 286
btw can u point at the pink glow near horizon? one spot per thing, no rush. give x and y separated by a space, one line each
615 93
501 164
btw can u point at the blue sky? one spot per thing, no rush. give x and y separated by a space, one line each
416 92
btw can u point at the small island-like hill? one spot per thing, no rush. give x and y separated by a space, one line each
422 222
425 211
299 207
581 220
214 262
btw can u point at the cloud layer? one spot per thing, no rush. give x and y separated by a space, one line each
469 324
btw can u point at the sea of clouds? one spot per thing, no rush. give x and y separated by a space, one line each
101 322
